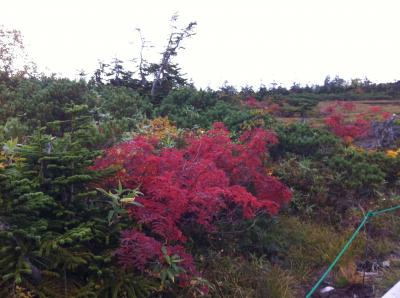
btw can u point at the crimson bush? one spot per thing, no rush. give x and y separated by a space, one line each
210 179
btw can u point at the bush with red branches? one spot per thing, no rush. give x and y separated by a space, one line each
351 129
209 180
347 129
252 102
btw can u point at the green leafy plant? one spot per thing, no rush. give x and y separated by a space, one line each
119 200
172 271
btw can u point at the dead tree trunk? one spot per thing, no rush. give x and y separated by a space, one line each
173 45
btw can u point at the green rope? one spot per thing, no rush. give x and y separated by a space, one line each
347 245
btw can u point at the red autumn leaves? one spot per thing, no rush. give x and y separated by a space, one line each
355 126
210 179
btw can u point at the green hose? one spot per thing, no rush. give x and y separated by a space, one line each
347 245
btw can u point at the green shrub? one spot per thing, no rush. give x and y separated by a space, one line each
55 238
388 165
307 182
306 141
189 108
185 107
120 102
331 186
13 128
354 177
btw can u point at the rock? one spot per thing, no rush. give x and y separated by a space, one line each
386 264
387 132
384 134
327 289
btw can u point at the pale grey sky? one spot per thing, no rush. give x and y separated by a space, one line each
243 42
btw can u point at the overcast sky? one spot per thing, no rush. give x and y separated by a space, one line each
243 42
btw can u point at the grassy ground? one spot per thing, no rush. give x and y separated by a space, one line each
363 106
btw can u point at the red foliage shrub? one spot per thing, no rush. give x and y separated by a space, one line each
385 115
375 109
210 179
139 251
272 108
348 130
348 106
382 115
351 129
252 102
336 106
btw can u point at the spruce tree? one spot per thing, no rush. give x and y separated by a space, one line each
55 236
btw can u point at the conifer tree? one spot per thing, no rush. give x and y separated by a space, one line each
55 235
